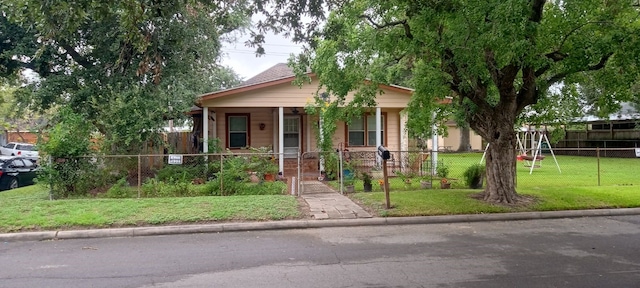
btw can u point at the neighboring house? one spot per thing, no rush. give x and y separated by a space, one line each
618 130
268 110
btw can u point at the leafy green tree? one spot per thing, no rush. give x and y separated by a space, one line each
124 66
494 58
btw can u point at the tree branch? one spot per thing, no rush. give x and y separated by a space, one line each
558 77
82 61
492 65
405 25
537 7
528 93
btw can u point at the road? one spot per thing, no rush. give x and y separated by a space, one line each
581 252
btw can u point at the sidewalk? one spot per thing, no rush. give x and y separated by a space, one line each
304 224
325 203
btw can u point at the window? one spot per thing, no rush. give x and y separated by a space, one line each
362 131
9 146
25 147
28 163
238 131
17 163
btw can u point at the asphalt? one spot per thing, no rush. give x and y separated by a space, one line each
327 209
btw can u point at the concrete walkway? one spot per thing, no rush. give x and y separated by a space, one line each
326 203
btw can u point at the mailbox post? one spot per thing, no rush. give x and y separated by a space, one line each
385 155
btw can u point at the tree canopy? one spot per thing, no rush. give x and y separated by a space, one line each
124 66
495 59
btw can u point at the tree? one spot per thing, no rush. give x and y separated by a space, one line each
124 66
495 58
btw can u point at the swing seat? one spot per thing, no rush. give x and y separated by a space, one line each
523 157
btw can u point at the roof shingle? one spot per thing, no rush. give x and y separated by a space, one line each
278 71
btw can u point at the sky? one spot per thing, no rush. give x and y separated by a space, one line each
244 61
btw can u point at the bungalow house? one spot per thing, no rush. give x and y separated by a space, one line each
268 110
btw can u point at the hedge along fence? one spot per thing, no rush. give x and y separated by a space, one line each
251 173
162 175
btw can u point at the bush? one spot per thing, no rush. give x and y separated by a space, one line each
264 188
68 173
120 190
180 173
442 171
473 175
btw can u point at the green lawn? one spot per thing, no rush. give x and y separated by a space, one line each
28 208
576 170
459 201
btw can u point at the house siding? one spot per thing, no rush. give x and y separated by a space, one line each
289 95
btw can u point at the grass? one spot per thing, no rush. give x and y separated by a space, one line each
28 208
460 201
576 187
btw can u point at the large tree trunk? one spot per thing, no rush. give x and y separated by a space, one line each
501 167
465 139
496 127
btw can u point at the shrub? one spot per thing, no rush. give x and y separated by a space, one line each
264 188
68 173
120 189
473 174
442 171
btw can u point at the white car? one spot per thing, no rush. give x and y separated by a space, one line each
20 149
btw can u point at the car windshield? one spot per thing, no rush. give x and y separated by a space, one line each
26 147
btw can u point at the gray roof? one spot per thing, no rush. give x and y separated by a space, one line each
278 71
626 112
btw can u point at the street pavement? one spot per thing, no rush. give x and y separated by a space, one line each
569 252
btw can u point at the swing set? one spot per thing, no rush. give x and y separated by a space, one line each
530 148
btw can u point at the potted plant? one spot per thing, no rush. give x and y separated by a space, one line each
366 181
425 182
406 178
445 184
348 185
263 162
474 175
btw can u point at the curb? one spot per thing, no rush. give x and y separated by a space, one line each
305 224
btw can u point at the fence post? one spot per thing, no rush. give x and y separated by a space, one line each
221 173
50 180
139 174
598 157
299 173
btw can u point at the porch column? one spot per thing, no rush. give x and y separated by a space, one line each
281 138
214 127
404 135
378 134
274 133
205 129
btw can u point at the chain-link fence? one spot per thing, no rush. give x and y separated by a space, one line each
414 170
166 175
258 173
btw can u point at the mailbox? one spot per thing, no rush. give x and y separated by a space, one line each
384 153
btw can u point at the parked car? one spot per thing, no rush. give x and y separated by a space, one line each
16 171
20 149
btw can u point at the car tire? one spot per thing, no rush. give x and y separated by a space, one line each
13 184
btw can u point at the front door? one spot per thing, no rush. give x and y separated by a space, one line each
291 136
